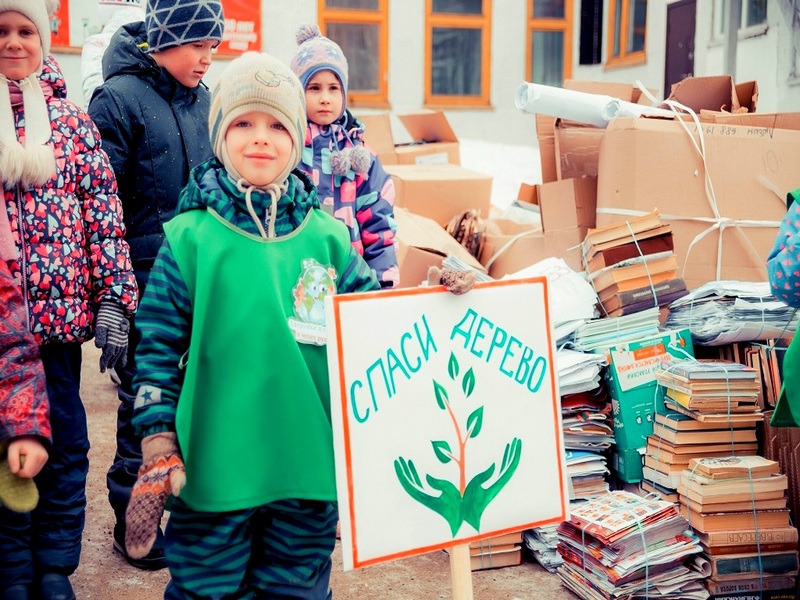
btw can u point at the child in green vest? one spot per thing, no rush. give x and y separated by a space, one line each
232 387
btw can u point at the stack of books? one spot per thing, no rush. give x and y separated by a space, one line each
621 545
710 410
587 473
737 507
597 335
632 265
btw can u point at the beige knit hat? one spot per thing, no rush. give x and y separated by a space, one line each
257 82
34 163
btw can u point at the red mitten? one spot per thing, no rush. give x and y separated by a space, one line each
160 475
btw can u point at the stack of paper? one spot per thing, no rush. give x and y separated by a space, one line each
587 472
599 334
622 545
585 420
572 299
578 371
543 544
721 312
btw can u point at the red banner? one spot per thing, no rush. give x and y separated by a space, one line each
59 25
242 27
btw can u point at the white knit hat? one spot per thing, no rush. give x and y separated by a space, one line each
36 11
257 82
34 163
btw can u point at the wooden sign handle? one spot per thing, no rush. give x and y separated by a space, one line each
461 572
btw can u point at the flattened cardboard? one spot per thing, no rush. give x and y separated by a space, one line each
422 243
716 92
568 203
440 192
651 163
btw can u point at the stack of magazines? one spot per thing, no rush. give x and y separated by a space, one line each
620 545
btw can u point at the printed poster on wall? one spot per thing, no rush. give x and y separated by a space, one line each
77 19
446 417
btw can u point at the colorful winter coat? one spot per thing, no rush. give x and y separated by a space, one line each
69 231
232 356
783 262
362 201
23 396
155 130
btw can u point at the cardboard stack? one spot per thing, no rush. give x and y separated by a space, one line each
499 551
737 507
725 202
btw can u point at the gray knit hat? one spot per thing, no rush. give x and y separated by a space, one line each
171 23
257 82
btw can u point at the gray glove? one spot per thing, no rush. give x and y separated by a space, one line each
111 334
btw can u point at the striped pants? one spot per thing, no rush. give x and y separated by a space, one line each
278 551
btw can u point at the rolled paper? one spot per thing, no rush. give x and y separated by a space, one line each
592 109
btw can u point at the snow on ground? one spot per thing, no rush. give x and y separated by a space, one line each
509 165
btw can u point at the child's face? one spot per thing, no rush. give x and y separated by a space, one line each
259 147
187 63
20 45
324 98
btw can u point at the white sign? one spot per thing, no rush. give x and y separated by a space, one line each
446 417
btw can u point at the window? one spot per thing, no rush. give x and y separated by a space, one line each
457 48
549 59
591 41
360 27
754 14
628 26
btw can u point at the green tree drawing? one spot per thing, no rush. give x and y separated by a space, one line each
465 501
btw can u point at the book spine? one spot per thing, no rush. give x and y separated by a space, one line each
750 548
750 585
764 536
646 293
735 567
787 594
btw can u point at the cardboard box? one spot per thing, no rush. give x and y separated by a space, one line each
433 140
440 192
635 393
568 149
652 163
567 210
378 136
716 92
785 120
422 243
627 464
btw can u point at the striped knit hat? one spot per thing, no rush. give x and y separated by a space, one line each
257 82
171 23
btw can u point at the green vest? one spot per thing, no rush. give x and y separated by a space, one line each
253 417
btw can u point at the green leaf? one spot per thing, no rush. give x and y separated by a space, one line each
441 395
442 451
452 367
475 422
468 383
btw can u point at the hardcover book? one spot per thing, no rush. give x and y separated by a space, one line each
738 566
610 256
734 466
731 520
